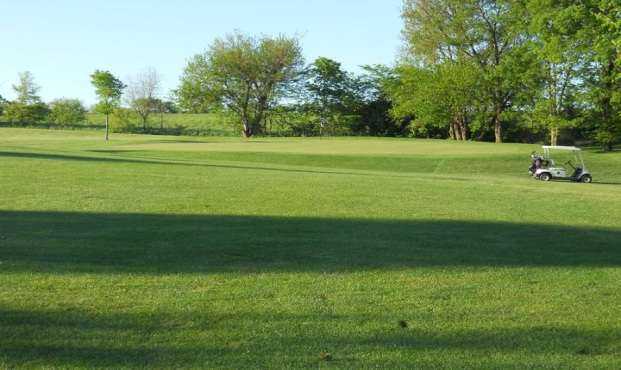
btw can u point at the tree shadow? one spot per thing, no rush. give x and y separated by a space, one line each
358 169
73 338
77 338
169 162
66 242
65 157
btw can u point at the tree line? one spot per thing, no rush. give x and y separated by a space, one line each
497 70
512 69
490 70
141 93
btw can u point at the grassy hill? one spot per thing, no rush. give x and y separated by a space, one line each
217 252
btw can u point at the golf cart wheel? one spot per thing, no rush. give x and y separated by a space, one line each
587 179
545 177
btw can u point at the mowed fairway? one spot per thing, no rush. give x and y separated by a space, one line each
173 252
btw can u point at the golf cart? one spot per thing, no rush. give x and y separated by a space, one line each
545 168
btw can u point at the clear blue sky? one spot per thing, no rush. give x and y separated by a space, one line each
61 42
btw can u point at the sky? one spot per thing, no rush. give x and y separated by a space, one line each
63 41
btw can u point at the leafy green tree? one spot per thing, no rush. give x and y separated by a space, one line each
439 97
109 90
331 91
26 89
246 75
488 34
28 107
16 112
560 47
167 106
123 120
143 107
67 111
605 79
193 94
162 107
357 103
374 110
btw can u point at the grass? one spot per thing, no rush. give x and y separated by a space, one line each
206 124
174 252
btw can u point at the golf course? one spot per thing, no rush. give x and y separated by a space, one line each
231 253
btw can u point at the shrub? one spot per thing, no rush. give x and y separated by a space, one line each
26 113
606 138
67 111
123 120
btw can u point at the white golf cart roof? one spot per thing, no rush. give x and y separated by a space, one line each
570 148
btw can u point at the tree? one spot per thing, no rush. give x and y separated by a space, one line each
26 89
605 77
142 94
162 107
440 97
375 106
67 111
244 74
335 95
331 91
194 94
555 27
109 90
168 106
16 112
3 104
28 107
488 34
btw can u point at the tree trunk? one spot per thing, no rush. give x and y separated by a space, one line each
456 130
554 136
107 128
247 131
464 130
247 128
498 125
607 109
461 128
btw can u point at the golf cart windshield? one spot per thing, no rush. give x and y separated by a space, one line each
559 155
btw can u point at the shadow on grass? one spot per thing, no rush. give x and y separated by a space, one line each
64 157
70 338
77 338
169 162
86 242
